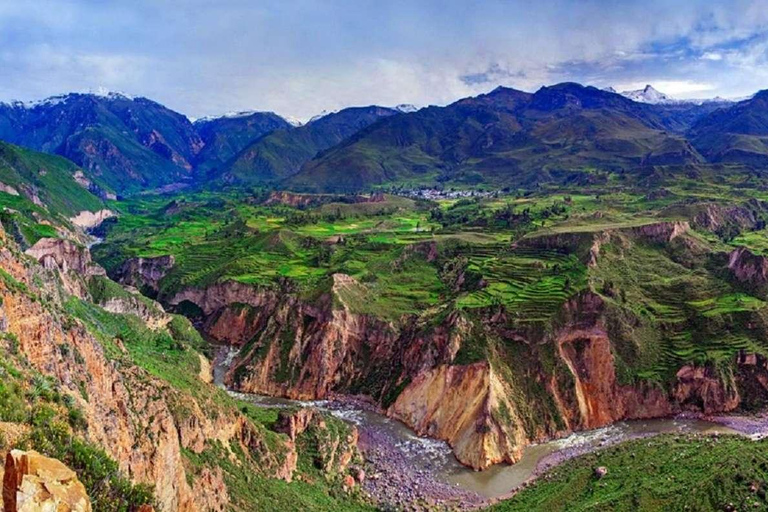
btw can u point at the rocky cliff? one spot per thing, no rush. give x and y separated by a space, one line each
487 410
34 483
149 421
750 269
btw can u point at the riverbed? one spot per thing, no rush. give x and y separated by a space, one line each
405 468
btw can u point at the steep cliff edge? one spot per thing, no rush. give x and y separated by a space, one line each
488 380
125 379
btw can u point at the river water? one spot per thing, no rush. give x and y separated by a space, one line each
434 458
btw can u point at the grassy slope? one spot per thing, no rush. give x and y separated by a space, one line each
51 178
668 472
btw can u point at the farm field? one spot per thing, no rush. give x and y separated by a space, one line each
528 253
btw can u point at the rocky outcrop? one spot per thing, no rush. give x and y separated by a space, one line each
34 483
461 404
133 303
660 232
144 273
88 220
712 217
71 261
220 295
703 389
65 255
206 371
295 423
306 200
749 269
587 244
8 189
334 451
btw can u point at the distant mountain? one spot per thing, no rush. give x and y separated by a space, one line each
225 136
504 137
649 95
406 108
124 143
735 134
128 145
282 153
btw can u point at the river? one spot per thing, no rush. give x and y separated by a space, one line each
427 469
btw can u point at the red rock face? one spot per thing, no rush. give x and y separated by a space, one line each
33 482
748 268
311 351
129 413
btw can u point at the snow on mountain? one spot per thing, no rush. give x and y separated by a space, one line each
293 121
63 98
226 115
649 95
322 115
406 108
103 92
245 113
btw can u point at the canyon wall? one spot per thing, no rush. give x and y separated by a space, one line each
142 421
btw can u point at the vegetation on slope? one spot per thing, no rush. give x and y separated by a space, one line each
39 192
668 472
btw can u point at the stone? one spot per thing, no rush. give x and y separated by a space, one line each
359 474
600 472
33 483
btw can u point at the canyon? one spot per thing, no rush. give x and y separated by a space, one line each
310 350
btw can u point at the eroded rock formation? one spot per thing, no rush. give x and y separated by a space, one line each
34 483
144 273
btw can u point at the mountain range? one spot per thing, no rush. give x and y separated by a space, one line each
507 137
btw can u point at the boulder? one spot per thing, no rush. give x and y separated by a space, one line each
33 483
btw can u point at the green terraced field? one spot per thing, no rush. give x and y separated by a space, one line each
531 283
670 304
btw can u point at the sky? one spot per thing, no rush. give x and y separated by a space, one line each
300 57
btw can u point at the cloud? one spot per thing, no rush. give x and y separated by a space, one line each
304 56
715 56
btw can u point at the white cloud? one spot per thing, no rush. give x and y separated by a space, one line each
298 58
715 56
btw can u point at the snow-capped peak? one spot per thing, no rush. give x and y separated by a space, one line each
648 95
322 115
103 92
293 121
46 102
406 108
58 99
244 113
227 115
